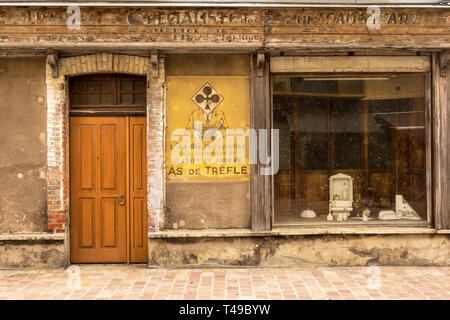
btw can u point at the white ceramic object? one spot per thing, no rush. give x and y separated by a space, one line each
341 186
330 217
340 203
308 214
388 215
404 210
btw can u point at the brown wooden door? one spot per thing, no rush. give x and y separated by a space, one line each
138 189
105 152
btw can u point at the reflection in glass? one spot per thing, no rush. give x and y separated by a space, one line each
125 85
106 99
139 98
106 85
93 98
93 85
125 98
371 129
139 85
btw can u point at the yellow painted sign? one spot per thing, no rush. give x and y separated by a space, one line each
207 122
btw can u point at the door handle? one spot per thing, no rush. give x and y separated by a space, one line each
121 197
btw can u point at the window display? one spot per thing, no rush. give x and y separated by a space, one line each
352 149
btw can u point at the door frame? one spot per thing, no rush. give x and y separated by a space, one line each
115 109
128 189
57 98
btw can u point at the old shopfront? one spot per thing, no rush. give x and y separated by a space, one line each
138 122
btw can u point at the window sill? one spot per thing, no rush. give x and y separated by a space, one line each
32 237
292 231
351 222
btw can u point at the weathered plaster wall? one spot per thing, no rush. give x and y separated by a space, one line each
31 254
208 205
296 251
214 203
58 129
23 191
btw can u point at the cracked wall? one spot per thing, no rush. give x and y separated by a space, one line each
299 251
23 158
215 200
31 254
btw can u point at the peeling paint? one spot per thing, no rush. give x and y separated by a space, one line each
23 189
31 254
295 251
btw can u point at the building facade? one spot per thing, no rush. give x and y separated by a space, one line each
253 133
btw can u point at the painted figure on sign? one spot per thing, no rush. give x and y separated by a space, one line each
207 99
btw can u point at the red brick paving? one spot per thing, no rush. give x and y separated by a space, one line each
139 282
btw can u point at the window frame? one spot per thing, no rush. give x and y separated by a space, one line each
428 148
113 108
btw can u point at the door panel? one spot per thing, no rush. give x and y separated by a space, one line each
97 177
108 157
87 222
138 190
87 157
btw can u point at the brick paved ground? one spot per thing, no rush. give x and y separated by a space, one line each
138 282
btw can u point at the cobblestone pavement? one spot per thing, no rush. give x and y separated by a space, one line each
139 282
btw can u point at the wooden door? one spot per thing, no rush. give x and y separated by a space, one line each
104 154
138 189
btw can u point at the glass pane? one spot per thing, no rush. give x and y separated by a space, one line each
80 86
302 85
125 98
139 98
79 99
106 99
93 85
313 133
106 85
282 120
125 85
381 125
139 85
352 147
347 133
93 99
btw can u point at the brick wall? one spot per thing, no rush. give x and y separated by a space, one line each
156 96
58 130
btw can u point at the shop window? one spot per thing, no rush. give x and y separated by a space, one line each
354 147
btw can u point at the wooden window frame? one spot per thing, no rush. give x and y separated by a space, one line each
428 172
114 108
261 186
431 111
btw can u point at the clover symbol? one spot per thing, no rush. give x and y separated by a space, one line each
208 96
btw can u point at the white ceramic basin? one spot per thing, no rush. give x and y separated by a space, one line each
341 203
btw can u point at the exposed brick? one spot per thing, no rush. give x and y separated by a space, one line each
58 131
